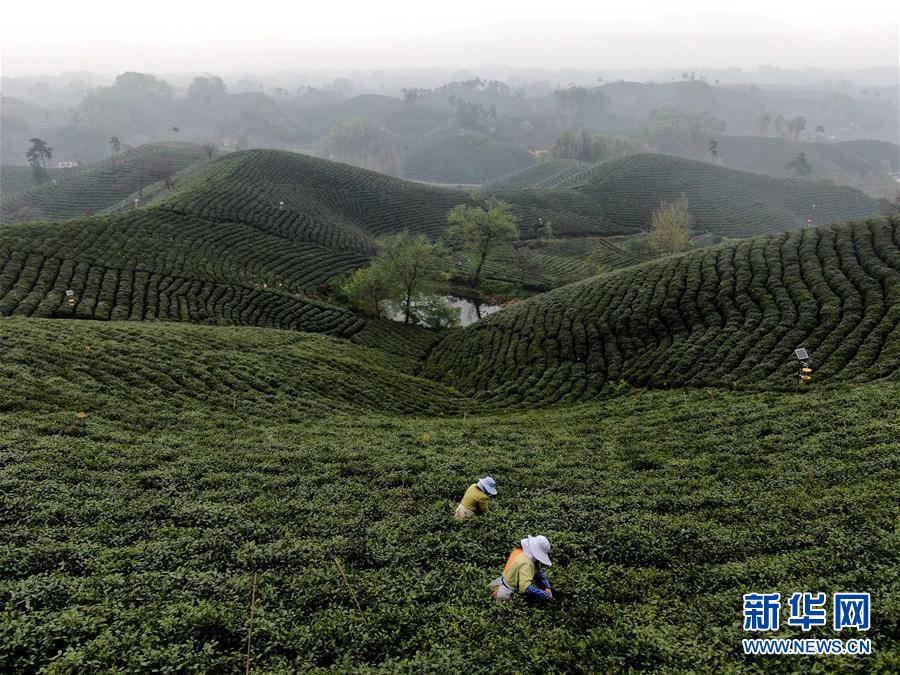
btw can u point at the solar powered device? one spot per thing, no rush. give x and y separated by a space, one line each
70 296
805 374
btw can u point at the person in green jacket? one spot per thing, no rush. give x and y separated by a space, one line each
475 500
523 573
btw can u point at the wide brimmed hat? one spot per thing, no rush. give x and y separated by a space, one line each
488 484
537 548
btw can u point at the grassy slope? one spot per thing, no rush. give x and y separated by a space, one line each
100 185
129 538
731 315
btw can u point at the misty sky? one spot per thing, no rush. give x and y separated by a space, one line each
262 35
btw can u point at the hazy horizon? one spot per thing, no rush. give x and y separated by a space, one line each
178 38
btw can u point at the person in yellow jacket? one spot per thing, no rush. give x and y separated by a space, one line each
475 500
523 573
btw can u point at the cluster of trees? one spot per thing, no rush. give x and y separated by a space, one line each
470 114
363 143
492 88
677 132
783 127
402 278
405 274
589 148
581 103
495 88
207 89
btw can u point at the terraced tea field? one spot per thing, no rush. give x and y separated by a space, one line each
250 238
729 316
17 179
99 186
152 473
545 175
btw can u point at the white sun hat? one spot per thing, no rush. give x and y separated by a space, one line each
488 484
537 548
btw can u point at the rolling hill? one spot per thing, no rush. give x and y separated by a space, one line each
157 475
866 165
730 315
102 185
253 237
17 179
463 156
546 175
722 201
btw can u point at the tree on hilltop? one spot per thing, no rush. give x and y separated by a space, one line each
37 156
586 147
796 125
140 84
482 228
115 143
164 170
799 165
362 143
670 226
207 89
39 152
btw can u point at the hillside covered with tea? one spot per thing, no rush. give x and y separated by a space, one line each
201 426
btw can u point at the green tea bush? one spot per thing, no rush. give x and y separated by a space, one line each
129 538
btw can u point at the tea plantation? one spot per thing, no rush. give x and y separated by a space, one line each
729 315
213 430
99 186
130 535
17 179
549 174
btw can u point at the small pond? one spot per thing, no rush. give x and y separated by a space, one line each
470 310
